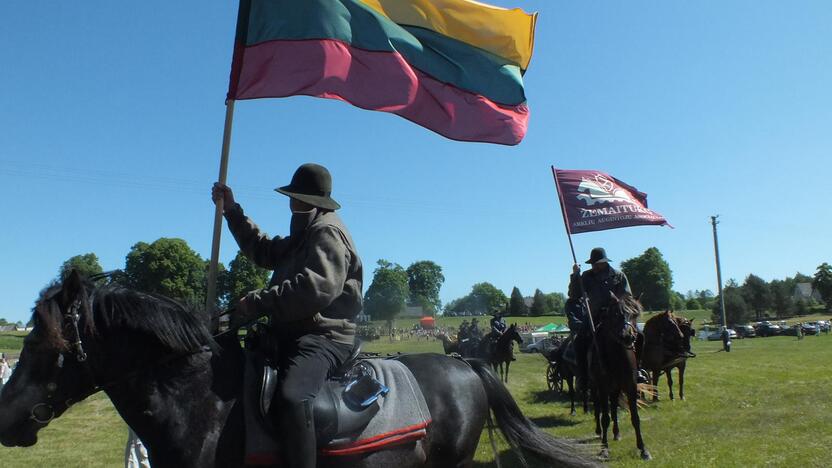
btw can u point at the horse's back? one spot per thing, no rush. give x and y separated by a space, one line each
457 402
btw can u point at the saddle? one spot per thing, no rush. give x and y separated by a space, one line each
345 404
362 408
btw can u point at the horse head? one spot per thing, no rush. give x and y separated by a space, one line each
619 321
513 334
53 371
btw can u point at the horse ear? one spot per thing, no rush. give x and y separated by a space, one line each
71 288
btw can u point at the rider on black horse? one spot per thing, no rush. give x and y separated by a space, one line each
598 282
312 299
498 327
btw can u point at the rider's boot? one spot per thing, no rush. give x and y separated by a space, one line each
298 435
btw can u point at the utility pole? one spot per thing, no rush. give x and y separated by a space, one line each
714 222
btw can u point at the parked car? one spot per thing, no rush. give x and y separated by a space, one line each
717 335
745 331
810 328
544 346
824 326
789 331
768 329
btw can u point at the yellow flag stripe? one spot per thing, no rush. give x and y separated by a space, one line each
503 32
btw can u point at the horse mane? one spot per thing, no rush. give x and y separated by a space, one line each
175 326
630 305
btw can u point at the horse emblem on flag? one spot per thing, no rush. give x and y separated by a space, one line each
600 189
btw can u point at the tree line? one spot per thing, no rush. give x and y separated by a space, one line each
170 267
757 299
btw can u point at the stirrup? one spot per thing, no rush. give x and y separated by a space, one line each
643 377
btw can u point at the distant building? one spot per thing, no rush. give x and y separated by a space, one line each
805 292
412 312
8 328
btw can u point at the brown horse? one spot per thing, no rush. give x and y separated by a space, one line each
449 345
667 346
501 351
613 369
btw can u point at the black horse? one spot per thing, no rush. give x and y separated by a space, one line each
667 346
614 369
500 351
180 390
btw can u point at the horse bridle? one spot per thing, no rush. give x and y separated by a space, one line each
76 349
71 318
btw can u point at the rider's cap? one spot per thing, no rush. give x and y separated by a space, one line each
311 184
598 255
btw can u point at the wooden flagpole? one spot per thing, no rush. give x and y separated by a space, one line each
584 297
211 293
563 213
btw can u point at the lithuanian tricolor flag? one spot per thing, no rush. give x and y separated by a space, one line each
453 66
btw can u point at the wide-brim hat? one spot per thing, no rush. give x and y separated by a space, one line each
311 184
598 255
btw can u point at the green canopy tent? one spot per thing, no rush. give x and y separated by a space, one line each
553 328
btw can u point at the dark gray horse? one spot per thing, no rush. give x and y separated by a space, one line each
500 351
180 390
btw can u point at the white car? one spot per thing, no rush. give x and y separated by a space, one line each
543 346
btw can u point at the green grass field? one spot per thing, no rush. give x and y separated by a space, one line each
764 404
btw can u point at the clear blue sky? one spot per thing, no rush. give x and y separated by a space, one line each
111 116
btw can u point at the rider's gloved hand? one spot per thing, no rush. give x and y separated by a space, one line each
244 312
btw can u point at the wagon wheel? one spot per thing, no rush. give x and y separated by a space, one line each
553 378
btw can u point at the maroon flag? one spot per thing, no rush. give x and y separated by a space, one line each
595 201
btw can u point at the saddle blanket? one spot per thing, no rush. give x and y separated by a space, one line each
403 416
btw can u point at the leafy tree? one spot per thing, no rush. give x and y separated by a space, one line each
555 302
456 306
677 301
86 264
736 310
517 305
168 267
782 300
538 304
823 283
485 297
706 298
243 275
3 322
424 278
757 295
650 276
387 295
801 308
801 278
692 304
